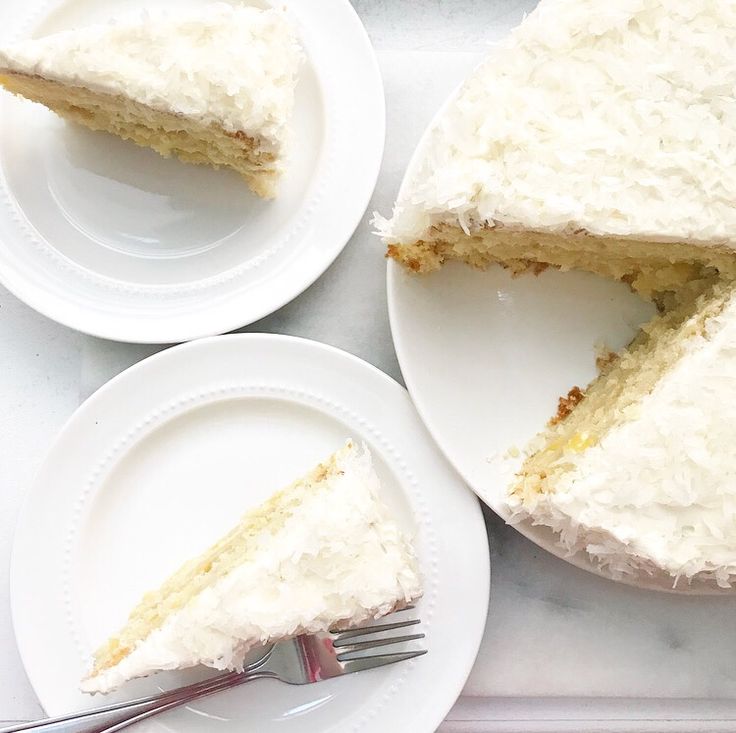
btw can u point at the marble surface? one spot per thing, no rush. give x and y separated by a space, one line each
554 632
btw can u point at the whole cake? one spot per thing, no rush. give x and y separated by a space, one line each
600 135
211 85
322 552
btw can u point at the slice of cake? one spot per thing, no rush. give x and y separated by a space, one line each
639 469
213 85
601 135
322 552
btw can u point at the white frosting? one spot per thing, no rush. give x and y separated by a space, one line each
618 118
658 492
339 557
234 66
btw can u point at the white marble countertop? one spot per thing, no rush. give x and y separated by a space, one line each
585 647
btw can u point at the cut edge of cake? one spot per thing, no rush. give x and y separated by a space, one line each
587 416
649 268
162 630
169 134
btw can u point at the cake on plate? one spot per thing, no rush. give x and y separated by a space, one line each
322 552
212 85
638 470
599 136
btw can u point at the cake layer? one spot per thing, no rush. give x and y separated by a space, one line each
322 552
640 473
168 134
648 267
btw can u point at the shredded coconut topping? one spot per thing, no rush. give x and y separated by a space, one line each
234 66
617 118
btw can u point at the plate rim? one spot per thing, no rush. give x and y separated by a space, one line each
481 561
166 328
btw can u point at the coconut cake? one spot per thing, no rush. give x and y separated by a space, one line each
212 85
325 551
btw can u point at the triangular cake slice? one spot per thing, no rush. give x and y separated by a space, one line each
322 552
638 469
600 135
213 85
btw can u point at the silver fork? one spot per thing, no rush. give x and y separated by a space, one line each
299 661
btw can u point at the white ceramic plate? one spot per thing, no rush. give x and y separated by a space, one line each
159 463
485 357
114 240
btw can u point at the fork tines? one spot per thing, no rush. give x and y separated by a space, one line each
349 643
364 630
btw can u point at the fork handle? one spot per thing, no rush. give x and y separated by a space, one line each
114 718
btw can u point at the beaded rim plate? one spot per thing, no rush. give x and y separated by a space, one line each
118 242
157 464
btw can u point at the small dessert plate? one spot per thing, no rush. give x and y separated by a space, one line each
163 459
116 241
